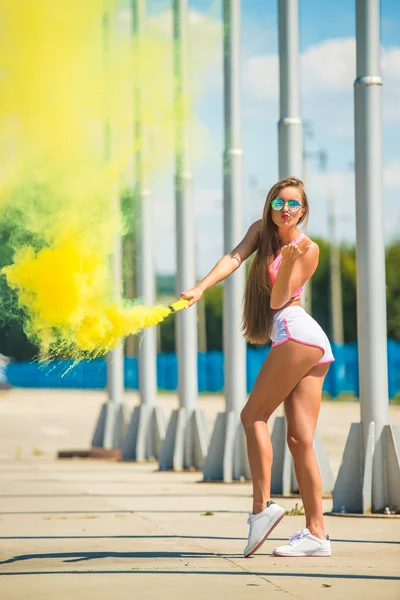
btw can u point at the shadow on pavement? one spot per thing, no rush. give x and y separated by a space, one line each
164 572
118 512
81 556
84 494
177 536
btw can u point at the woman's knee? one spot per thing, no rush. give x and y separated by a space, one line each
249 417
299 443
246 418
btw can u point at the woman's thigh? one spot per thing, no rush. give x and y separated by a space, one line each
303 404
282 370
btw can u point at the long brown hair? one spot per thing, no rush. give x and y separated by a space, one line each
257 313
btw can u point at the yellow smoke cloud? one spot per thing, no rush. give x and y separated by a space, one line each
61 81
71 310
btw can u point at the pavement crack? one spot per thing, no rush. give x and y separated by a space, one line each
230 561
261 576
279 587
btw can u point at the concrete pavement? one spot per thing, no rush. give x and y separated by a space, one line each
97 529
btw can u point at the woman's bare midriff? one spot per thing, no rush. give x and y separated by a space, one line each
294 302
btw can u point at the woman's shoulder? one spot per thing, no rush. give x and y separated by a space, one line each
254 232
256 227
311 248
307 241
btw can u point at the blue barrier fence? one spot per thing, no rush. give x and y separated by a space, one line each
342 375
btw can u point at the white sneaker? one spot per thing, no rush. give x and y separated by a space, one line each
261 525
303 543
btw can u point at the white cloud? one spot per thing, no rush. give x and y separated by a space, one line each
340 186
323 190
391 63
391 175
391 84
261 77
327 71
328 66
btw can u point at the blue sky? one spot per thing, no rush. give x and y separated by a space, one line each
327 47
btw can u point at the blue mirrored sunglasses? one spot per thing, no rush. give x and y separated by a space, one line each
293 205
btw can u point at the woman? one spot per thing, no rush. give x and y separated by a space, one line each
295 368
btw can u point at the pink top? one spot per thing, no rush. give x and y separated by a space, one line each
275 266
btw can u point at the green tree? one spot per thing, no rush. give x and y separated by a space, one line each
13 341
393 290
214 299
320 287
349 292
167 335
321 290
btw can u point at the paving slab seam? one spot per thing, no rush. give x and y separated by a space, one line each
231 562
260 576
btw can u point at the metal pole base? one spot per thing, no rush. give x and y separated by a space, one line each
145 433
186 442
111 425
353 491
227 455
283 477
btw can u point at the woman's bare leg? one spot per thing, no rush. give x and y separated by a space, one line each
284 367
302 410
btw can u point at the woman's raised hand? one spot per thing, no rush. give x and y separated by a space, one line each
291 252
193 295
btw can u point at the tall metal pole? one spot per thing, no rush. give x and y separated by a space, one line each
187 438
283 480
292 160
371 283
289 125
145 243
227 458
147 429
130 285
111 423
234 343
115 367
371 445
186 322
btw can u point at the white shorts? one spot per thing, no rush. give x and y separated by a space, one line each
294 323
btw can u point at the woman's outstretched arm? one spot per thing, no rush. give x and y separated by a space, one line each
226 265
